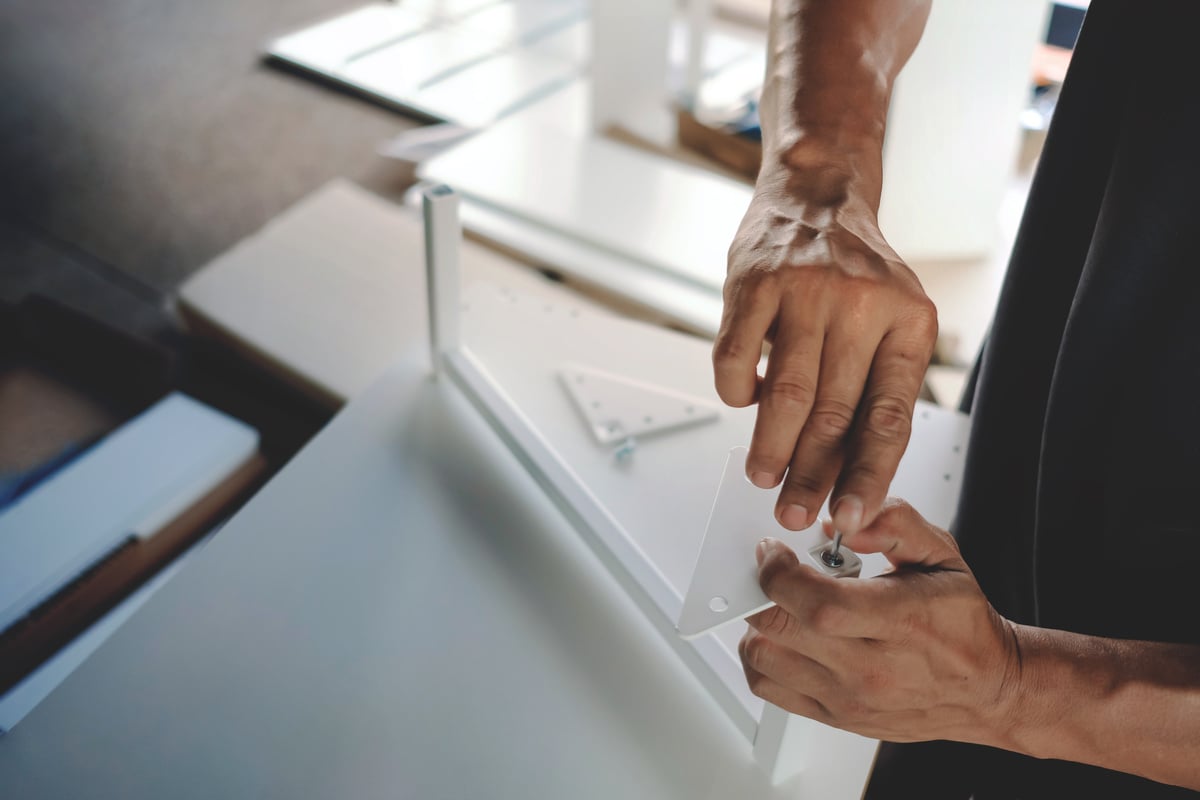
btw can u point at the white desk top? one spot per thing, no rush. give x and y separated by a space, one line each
399 613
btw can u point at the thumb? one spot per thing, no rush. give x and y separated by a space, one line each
905 538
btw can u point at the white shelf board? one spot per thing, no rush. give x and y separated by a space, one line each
650 510
682 303
668 216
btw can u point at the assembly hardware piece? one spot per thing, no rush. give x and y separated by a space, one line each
835 560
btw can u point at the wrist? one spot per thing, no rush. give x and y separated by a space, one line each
1015 708
1054 681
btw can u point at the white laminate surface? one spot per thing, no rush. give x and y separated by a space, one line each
399 613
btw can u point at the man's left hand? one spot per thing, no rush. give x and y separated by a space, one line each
915 654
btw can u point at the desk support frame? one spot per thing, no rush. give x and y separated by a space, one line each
782 743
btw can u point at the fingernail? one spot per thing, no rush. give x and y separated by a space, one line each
794 517
762 549
847 517
763 480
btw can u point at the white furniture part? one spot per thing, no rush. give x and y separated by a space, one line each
642 519
130 483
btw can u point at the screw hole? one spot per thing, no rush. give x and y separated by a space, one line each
718 604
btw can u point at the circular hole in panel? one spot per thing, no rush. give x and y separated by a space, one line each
718 604
958 448
649 420
947 476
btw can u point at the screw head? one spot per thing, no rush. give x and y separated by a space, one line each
832 558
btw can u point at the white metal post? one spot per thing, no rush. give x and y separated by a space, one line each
443 238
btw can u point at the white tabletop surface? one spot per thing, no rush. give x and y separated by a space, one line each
399 613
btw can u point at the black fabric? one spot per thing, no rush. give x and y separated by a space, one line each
1078 508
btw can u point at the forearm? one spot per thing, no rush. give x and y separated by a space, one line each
831 67
1127 706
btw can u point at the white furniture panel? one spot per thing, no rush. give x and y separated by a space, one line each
479 95
399 69
670 216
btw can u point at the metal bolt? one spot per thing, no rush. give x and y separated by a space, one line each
833 556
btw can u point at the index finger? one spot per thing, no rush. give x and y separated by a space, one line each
750 310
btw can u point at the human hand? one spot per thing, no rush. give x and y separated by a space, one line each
852 332
915 654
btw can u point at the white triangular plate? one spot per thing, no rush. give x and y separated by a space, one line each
615 407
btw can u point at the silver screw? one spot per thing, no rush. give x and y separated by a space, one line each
833 556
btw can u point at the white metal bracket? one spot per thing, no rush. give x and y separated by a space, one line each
616 407
725 585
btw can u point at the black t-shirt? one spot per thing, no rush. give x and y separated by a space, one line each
1080 507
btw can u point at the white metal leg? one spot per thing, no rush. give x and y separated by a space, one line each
443 238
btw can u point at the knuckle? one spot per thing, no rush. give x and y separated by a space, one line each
864 477
756 652
801 485
924 319
897 513
791 393
776 623
829 422
750 285
758 684
827 619
729 349
890 418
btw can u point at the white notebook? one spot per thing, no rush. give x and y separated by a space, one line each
131 483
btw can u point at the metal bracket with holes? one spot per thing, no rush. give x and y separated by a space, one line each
616 407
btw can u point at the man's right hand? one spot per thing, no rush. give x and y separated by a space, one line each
852 332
